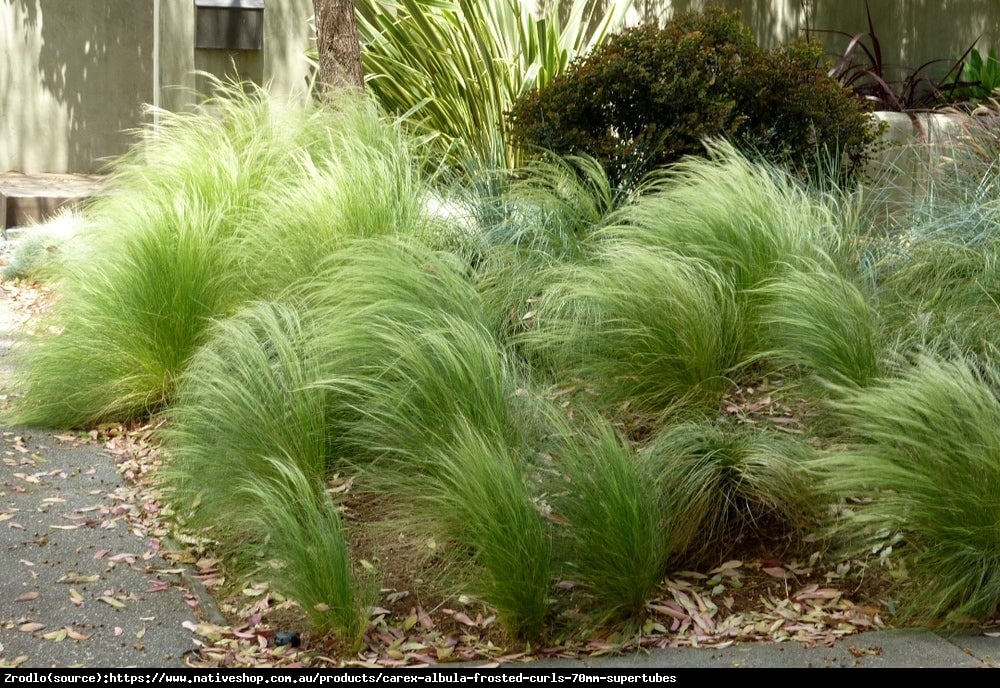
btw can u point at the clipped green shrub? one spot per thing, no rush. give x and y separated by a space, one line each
648 96
926 463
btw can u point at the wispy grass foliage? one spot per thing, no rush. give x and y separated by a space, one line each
169 246
249 440
815 318
648 329
555 206
423 382
479 497
927 463
246 397
728 486
616 539
435 421
127 323
38 249
404 348
306 537
368 184
747 220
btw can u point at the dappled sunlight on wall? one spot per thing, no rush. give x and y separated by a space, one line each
912 32
81 76
33 130
77 74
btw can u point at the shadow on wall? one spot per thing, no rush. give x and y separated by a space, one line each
912 32
773 22
95 59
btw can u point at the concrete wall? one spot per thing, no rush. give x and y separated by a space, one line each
75 74
912 32
280 64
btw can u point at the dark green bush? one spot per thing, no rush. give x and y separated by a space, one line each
648 96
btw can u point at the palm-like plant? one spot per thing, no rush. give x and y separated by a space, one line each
455 67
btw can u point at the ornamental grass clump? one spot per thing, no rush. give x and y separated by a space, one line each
925 462
550 215
367 185
439 429
615 539
250 442
126 324
747 220
647 329
168 253
423 379
247 393
816 319
480 500
944 294
311 560
433 419
728 486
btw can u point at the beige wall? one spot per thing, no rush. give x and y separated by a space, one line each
280 64
75 74
912 32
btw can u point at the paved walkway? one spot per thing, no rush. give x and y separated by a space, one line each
82 586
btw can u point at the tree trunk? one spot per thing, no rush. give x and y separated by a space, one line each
338 45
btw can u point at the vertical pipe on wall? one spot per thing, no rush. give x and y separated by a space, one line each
156 63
